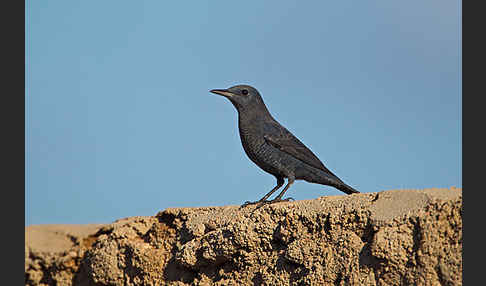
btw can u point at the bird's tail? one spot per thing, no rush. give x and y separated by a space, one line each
346 189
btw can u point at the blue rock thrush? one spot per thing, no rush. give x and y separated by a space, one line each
273 148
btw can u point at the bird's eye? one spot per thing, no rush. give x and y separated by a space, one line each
245 92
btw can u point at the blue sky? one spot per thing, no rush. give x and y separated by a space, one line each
119 120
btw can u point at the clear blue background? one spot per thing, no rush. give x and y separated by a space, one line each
119 120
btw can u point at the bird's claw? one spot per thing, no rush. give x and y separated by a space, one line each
248 203
262 203
280 200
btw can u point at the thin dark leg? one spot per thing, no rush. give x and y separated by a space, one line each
280 182
279 197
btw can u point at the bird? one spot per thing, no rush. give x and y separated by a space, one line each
275 149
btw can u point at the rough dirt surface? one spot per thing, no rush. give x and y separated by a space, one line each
405 237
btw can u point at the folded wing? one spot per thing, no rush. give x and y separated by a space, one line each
282 139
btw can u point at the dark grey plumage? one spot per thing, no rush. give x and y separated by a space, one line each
273 148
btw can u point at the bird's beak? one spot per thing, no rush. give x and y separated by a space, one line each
223 92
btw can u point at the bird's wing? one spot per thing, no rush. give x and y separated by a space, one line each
282 139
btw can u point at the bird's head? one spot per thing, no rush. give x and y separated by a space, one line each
242 96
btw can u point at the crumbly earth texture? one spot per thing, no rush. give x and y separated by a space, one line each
400 237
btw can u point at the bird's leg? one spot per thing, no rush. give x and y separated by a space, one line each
279 197
280 182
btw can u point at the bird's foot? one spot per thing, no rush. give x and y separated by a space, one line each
248 203
262 203
280 200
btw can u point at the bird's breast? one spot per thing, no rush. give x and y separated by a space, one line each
259 151
252 142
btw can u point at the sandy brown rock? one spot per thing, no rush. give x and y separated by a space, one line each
53 252
406 237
